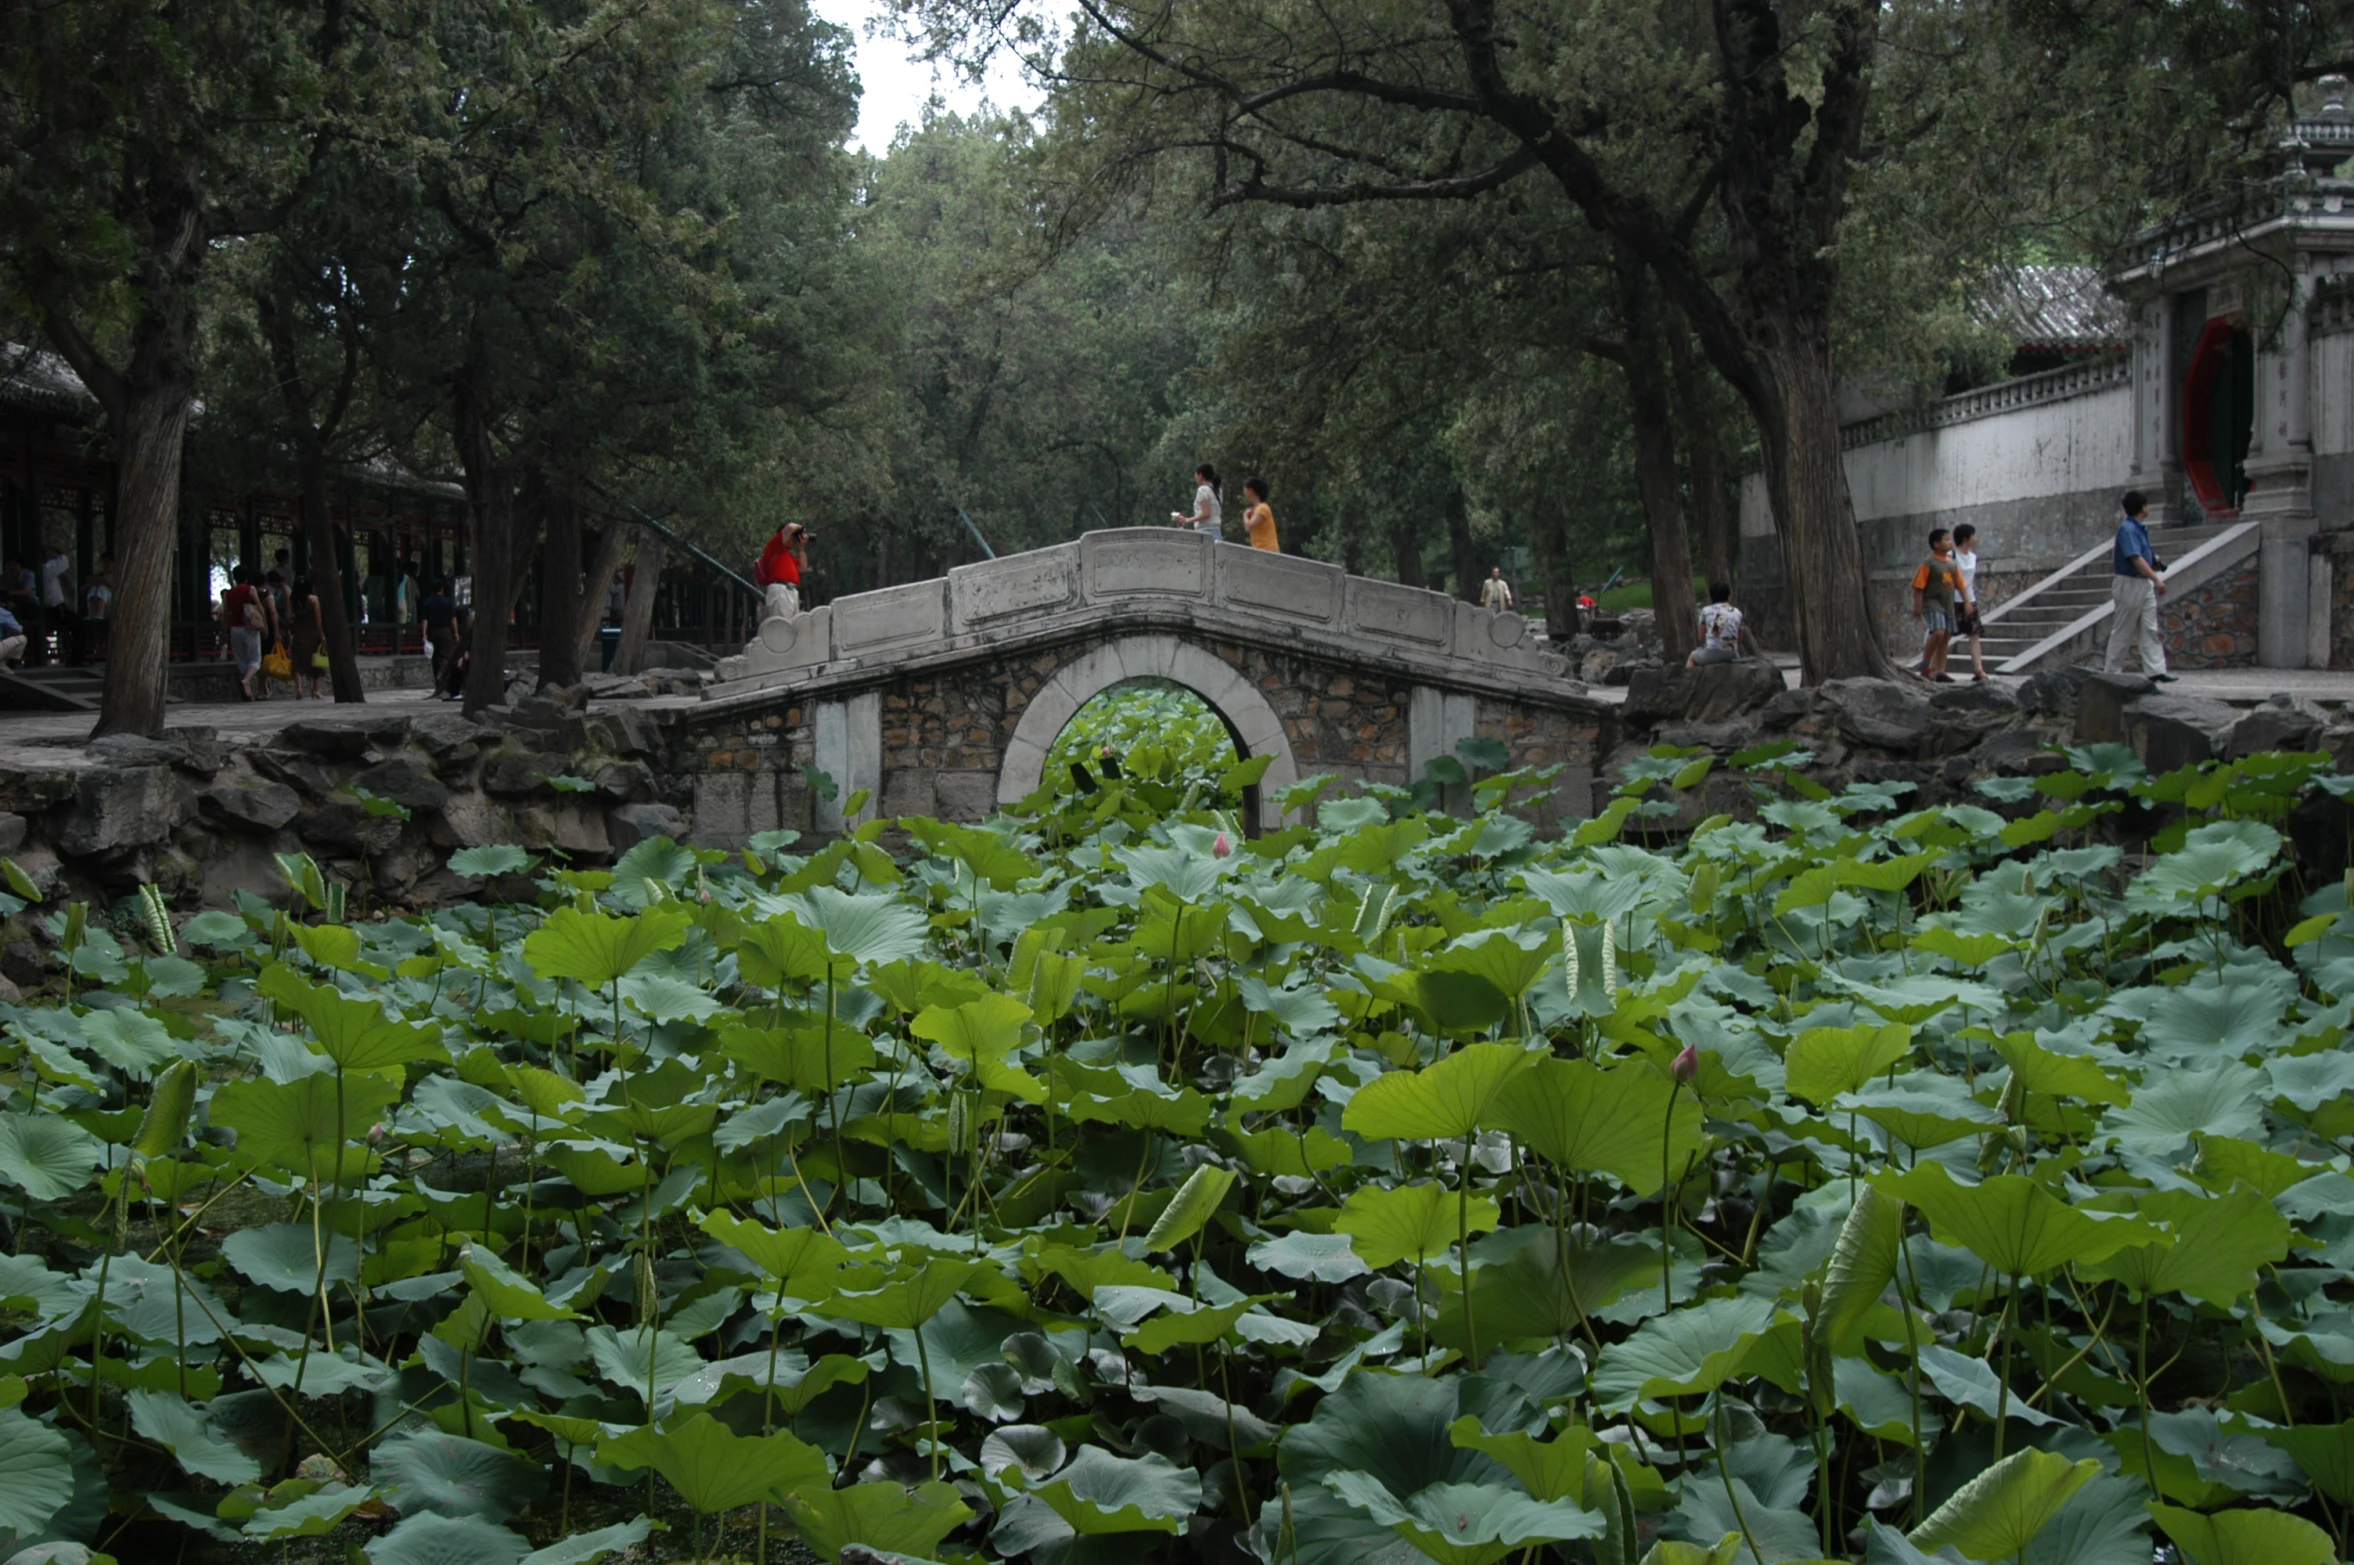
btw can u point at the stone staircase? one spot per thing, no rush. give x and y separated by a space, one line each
2067 613
49 688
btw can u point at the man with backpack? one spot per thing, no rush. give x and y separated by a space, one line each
1937 586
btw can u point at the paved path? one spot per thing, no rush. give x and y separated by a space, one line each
2329 688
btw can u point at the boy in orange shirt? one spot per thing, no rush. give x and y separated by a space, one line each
1936 587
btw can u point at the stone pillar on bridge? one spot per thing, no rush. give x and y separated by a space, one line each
847 736
1436 721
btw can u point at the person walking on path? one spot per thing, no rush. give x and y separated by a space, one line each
1721 629
1965 560
1495 594
1258 519
1206 517
242 612
778 572
1937 586
57 603
2135 586
441 628
310 643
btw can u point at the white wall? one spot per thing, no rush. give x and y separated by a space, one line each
2049 448
2333 394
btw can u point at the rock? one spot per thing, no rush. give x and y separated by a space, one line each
12 832
451 737
10 994
405 781
1625 669
306 777
197 750
615 687
1639 625
629 731
340 827
123 807
515 773
2101 700
1596 662
567 826
345 741
263 807
632 824
22 962
2053 691
624 782
2171 732
469 820
1785 708
1882 713
1701 695
2010 750
1975 697
2285 722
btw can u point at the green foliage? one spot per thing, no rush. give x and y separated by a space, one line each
1125 1183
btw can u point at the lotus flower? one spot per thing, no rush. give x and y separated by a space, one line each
1686 1065
1222 847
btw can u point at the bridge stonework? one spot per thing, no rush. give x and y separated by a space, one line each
942 698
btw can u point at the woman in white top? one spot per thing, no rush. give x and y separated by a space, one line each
1965 559
1206 517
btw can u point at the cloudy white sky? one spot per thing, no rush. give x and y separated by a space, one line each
897 87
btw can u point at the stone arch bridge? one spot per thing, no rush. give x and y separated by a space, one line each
942 697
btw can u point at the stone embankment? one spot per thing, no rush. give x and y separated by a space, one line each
380 799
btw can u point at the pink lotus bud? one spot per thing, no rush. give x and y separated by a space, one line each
1687 1064
1223 847
376 1133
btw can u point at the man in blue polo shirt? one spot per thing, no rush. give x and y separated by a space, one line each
2135 588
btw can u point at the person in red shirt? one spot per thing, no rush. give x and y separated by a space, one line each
778 574
246 615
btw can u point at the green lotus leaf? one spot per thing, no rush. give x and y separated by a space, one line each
505 1292
878 1516
1584 1119
1467 1524
861 928
1033 1450
2224 1100
1691 1350
492 858
586 1548
2211 857
447 1475
2324 1451
2217 1246
305 1511
806 1053
1389 1224
1445 1101
1549 1469
802 1263
1863 1264
2038 1069
291 1258
1823 1062
2011 1223
642 1361
1099 1493
712 1467
985 1029
187 1433
311 1127
46 1157
1507 959
1921 1110
2245 1537
1303 1013
1198 1200
1997 1514
1311 1257
133 1043
355 1034
595 948
913 1295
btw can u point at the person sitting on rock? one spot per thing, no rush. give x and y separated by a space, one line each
1721 629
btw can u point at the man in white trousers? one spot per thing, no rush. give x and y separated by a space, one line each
2135 588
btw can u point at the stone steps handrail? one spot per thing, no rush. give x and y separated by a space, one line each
2190 571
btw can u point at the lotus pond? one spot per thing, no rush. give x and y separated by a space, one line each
1847 1180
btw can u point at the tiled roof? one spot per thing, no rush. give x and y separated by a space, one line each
41 382
2065 308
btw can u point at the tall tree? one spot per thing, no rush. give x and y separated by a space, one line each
139 139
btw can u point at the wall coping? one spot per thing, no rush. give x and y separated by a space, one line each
2064 384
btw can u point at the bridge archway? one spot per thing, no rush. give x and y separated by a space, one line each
1239 704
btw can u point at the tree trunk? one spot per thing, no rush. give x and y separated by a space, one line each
1467 572
1704 460
490 503
1652 414
560 595
1814 516
1548 538
343 659
596 584
147 427
637 611
1406 552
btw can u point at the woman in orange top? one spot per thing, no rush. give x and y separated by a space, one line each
1258 519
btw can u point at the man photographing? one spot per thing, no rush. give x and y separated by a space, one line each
778 574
